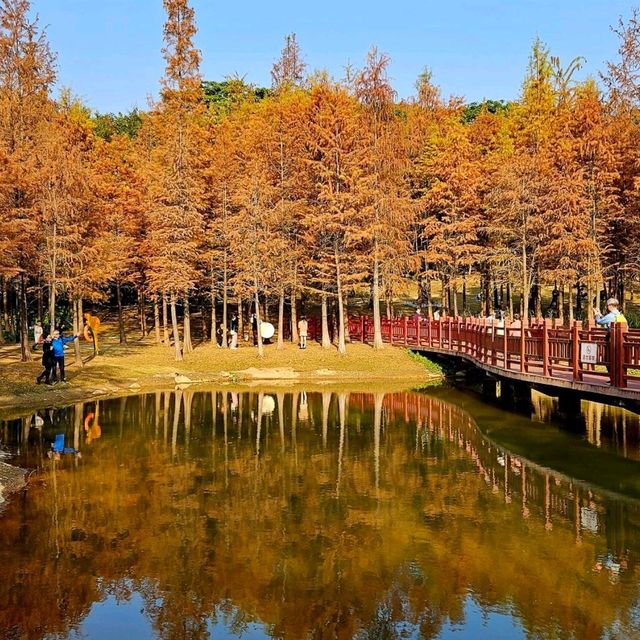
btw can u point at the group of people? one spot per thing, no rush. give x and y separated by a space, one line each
53 356
232 331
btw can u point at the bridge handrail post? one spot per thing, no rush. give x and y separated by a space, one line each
523 338
618 331
429 321
505 343
363 328
545 347
404 330
575 346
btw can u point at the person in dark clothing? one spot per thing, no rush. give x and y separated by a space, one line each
47 361
57 346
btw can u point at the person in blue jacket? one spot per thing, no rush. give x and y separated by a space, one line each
57 346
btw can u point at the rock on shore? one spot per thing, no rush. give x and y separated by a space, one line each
11 479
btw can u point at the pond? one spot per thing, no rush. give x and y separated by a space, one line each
322 514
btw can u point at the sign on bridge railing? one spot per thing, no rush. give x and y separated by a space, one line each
588 352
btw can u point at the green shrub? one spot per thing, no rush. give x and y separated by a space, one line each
431 366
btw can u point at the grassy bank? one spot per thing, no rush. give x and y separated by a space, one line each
145 365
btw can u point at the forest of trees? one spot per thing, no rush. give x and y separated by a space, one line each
224 196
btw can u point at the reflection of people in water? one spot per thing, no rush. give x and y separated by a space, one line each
92 429
303 409
91 331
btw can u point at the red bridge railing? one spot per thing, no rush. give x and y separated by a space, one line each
580 353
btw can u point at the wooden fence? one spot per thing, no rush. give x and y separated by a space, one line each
580 353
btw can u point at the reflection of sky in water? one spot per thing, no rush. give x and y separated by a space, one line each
124 619
113 618
482 623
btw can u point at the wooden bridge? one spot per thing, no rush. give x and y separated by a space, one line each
581 358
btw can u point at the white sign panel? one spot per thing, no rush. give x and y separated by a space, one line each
588 352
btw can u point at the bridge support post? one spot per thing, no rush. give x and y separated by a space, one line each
491 388
569 404
516 395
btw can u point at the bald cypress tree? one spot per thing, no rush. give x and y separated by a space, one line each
27 73
176 181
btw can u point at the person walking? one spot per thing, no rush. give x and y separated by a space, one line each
303 330
47 361
37 334
57 346
233 330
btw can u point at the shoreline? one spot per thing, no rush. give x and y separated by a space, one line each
142 367
13 407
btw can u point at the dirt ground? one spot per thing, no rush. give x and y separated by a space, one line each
142 364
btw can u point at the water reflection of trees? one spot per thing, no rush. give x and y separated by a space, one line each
325 515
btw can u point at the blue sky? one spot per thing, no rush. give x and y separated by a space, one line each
109 50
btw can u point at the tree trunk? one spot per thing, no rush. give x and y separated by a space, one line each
156 318
377 325
538 298
165 324
342 348
3 308
123 337
281 320
203 321
525 284
326 338
561 305
258 321
295 338
40 298
25 347
240 320
174 322
142 306
52 280
214 318
465 306
347 336
454 295
77 323
510 300
186 321
225 302
570 290
52 306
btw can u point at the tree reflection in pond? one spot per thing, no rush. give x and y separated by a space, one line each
312 514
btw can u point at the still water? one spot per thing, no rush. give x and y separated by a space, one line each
322 514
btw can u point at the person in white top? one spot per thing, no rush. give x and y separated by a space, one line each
37 334
303 329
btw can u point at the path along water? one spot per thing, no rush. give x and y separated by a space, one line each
196 514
